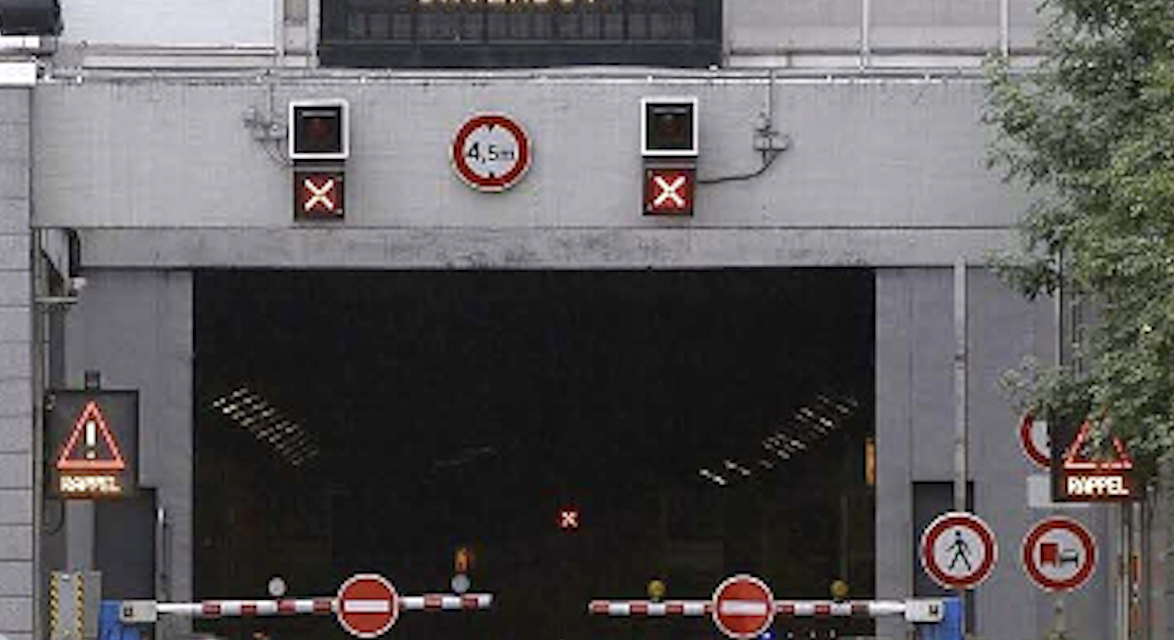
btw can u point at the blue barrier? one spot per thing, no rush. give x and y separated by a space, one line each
111 628
952 626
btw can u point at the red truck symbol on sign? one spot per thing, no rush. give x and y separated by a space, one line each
1051 553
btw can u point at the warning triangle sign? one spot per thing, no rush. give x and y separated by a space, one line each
91 446
1077 457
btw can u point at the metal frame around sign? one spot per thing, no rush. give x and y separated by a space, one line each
114 415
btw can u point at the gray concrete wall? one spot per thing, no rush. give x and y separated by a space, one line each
170 22
915 431
16 386
866 154
135 328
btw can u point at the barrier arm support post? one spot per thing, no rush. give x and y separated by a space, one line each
950 627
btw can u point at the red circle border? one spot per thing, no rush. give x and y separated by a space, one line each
770 599
394 605
972 522
1036 532
1028 445
508 179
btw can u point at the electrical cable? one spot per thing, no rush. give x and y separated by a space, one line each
768 158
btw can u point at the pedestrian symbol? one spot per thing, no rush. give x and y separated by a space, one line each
958 550
961 550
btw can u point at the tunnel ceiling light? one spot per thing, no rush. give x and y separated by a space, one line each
713 477
253 413
805 428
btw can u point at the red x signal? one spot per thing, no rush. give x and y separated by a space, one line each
568 519
668 191
318 194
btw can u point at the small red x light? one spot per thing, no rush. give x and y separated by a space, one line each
568 519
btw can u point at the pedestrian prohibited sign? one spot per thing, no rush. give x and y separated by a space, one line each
958 550
1059 554
491 152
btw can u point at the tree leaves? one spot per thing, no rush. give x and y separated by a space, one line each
1090 132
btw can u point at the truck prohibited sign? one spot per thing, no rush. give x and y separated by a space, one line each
491 152
1059 554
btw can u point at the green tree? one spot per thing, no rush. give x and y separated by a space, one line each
1090 132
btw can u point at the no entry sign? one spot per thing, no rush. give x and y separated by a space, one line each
1059 554
958 550
491 152
367 605
743 607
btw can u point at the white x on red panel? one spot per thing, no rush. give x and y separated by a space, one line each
668 191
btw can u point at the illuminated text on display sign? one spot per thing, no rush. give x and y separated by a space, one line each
508 3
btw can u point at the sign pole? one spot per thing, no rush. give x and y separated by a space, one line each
960 385
960 435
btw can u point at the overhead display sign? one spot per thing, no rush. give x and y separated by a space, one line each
1086 473
92 441
520 33
958 550
491 152
1059 554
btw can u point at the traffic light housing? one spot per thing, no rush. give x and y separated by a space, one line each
30 18
668 127
319 130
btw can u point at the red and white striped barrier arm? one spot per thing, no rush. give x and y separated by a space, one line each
248 608
855 609
443 602
648 608
912 610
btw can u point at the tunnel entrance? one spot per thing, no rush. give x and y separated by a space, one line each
560 436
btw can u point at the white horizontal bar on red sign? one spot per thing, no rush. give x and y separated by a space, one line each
443 602
648 608
857 609
248 608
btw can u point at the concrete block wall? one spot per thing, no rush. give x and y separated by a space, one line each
16 390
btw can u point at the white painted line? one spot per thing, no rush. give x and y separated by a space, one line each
366 606
743 608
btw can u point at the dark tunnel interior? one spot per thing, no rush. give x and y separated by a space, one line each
691 424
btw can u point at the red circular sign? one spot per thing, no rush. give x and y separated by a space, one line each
1027 441
491 152
1059 554
367 605
743 607
958 550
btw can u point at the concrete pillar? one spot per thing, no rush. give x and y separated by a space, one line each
16 386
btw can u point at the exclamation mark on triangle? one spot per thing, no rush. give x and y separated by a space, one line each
91 439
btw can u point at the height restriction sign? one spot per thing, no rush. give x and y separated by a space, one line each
491 152
92 443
